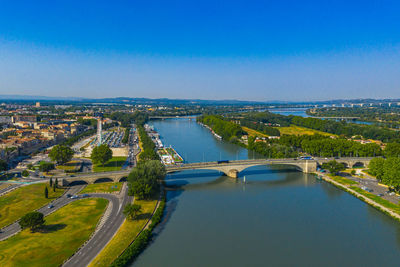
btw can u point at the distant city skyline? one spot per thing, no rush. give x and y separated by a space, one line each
243 50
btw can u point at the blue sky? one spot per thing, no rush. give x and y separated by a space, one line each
252 50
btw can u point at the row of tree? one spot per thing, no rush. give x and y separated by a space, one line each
386 170
148 147
226 129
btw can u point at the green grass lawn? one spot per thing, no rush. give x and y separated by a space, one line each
102 188
64 232
342 180
297 130
114 164
23 200
72 166
379 200
125 235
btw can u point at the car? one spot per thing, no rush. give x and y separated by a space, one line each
85 195
380 195
369 190
391 193
69 195
74 197
42 176
72 176
50 206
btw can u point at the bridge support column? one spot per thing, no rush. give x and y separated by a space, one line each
310 166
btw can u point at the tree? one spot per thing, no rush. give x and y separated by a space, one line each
3 165
51 182
61 154
143 180
46 166
56 182
375 167
392 150
25 173
333 166
32 220
101 154
54 187
391 172
353 172
30 166
131 210
46 192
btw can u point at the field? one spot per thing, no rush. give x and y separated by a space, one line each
343 181
297 130
23 200
114 164
253 132
72 166
64 232
125 235
102 188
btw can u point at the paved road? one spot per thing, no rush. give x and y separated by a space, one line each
58 203
93 247
12 186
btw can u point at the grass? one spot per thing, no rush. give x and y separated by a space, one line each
125 235
297 130
4 185
343 181
379 200
114 164
64 232
253 132
23 200
71 166
102 188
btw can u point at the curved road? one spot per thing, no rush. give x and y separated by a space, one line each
103 235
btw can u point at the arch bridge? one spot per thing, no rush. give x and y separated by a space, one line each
230 168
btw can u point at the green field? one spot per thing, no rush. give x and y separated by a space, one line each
23 200
297 130
114 164
102 188
64 232
72 166
342 180
125 235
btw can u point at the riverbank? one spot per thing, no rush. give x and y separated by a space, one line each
366 197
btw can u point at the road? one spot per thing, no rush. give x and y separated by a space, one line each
12 186
100 239
57 203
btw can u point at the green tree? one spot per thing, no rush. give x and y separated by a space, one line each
61 154
46 166
3 165
30 166
144 178
375 167
101 154
56 182
333 166
32 220
131 210
25 173
391 172
46 192
51 182
392 150
54 187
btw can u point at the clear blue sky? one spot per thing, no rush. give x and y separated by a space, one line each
253 50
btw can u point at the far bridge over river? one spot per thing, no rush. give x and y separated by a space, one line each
230 168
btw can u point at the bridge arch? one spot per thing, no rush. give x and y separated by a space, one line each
76 182
123 179
103 180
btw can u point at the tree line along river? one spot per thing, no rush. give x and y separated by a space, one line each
278 217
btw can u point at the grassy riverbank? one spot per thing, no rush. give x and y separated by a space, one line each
64 232
23 200
102 188
125 235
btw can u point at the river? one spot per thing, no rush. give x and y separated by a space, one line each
278 217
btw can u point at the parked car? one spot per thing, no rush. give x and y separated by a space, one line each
74 197
85 195
50 206
380 195
69 195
